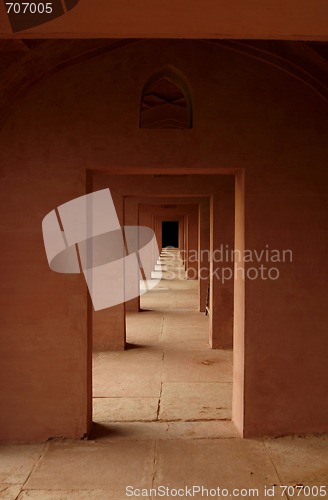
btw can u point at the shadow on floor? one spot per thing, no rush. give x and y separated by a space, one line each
129 345
99 431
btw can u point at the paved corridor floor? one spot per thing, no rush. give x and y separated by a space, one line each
168 374
162 411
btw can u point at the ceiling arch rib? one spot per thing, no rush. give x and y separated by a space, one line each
26 62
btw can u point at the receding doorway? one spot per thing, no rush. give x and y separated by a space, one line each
170 234
175 367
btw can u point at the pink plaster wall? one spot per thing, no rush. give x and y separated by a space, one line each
247 115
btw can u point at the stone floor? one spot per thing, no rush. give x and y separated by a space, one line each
169 374
162 411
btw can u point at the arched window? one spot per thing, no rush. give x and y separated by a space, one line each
165 103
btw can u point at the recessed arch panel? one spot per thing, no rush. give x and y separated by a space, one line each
166 102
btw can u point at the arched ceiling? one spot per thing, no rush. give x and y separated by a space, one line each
25 62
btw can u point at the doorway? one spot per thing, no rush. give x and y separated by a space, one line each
219 189
170 234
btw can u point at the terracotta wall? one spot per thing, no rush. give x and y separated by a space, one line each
247 115
200 18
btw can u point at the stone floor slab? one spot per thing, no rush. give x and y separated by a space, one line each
164 430
144 327
224 463
218 391
17 462
10 491
132 373
201 430
195 401
300 459
89 466
192 366
124 409
192 410
69 495
138 431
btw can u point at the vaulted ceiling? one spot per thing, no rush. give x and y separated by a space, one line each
25 62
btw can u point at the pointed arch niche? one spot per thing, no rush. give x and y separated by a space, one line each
166 101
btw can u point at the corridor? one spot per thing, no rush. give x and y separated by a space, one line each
168 374
162 412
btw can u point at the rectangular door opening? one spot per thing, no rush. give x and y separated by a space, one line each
170 234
